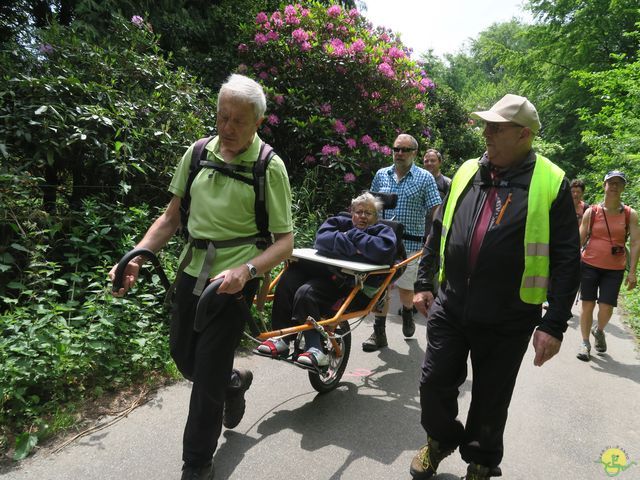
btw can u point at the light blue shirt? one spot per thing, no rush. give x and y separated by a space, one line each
417 194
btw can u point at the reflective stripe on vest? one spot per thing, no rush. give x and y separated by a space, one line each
543 190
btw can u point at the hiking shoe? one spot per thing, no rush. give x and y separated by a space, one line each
426 461
480 472
378 339
192 472
408 323
272 348
584 352
313 359
601 342
234 404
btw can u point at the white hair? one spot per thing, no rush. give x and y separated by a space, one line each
243 87
367 198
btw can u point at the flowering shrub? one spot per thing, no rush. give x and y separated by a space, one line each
340 89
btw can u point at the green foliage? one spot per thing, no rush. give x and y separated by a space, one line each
63 336
613 130
89 117
343 91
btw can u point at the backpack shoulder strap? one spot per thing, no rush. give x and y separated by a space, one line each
627 220
259 186
594 211
197 153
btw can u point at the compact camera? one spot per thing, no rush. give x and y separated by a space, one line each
617 250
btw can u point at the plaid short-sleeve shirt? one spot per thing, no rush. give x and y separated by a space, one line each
417 194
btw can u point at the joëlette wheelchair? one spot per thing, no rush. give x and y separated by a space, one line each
335 331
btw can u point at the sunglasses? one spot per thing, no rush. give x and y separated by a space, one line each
491 127
403 149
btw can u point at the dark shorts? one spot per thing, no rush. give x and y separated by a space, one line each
600 284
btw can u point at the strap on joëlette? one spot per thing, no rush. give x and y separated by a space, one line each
211 247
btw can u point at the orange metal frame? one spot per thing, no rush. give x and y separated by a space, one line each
330 324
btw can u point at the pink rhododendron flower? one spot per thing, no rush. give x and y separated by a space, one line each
261 18
351 143
329 26
353 13
290 10
366 140
260 39
384 37
329 150
276 16
375 95
273 119
395 52
334 11
310 160
427 133
349 177
46 49
304 12
299 35
279 99
263 75
325 108
138 21
358 45
420 106
242 48
373 146
385 150
386 70
339 127
271 35
427 82
305 47
273 71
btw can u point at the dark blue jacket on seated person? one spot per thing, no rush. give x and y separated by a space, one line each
339 238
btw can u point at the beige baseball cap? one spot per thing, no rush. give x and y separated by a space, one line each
512 108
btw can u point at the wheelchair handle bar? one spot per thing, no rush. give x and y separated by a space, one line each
201 309
138 252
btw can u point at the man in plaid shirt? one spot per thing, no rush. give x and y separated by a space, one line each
417 195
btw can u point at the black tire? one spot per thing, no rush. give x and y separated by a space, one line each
329 380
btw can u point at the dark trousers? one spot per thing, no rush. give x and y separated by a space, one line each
310 289
495 359
206 358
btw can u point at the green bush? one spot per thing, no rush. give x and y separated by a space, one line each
83 116
64 337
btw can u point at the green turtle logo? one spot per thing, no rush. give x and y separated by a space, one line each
614 461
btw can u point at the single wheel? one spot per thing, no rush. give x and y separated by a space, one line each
327 381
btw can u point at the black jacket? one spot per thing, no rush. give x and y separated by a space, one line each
490 293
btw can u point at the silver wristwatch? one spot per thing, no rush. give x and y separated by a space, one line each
253 271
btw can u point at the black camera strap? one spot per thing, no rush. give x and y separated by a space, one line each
604 214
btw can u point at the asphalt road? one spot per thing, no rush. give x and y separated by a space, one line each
563 417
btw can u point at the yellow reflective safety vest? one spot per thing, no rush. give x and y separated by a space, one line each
543 190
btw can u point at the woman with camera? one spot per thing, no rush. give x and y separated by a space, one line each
603 233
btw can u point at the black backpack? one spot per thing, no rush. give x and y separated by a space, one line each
199 161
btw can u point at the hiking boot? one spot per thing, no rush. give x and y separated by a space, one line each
313 359
378 339
480 472
426 461
584 352
234 404
601 342
192 472
408 323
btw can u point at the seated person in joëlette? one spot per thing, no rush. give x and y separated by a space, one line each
317 290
